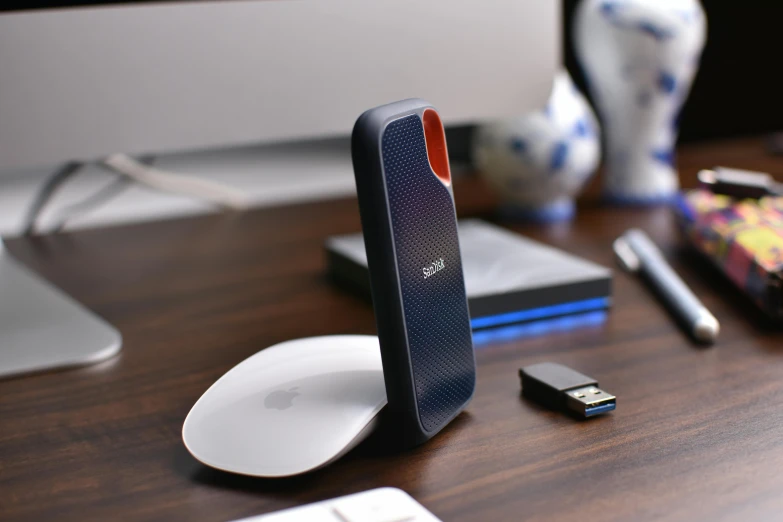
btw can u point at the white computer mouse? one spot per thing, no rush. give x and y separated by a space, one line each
291 408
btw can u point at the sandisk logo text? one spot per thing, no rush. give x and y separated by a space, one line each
435 267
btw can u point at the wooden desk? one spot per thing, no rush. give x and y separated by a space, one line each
698 433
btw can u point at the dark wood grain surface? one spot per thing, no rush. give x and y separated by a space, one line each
698 433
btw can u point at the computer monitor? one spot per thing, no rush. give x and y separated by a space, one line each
81 82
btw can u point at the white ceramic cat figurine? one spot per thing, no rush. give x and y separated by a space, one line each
640 57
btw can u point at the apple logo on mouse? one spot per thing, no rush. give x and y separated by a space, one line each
281 399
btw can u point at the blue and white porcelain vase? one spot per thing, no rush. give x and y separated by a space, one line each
640 57
538 163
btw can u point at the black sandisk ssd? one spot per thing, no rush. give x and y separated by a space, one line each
409 223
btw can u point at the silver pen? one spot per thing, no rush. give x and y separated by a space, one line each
637 253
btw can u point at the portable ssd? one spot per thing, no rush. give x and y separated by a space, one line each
515 285
409 224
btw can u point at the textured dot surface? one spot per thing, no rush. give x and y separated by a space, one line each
436 313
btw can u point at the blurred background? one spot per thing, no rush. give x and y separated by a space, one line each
735 93
737 88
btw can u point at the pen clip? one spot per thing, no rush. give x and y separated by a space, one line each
625 255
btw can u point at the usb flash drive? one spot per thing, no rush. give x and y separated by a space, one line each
559 387
739 183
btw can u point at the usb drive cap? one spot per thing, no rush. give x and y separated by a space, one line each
559 387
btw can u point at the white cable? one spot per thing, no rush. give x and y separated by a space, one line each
177 183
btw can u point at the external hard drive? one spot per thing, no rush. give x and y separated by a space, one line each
410 232
515 286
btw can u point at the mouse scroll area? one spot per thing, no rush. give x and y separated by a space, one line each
289 409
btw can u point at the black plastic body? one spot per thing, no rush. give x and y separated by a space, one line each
410 226
546 383
740 184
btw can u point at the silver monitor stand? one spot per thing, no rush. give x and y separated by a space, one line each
41 328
